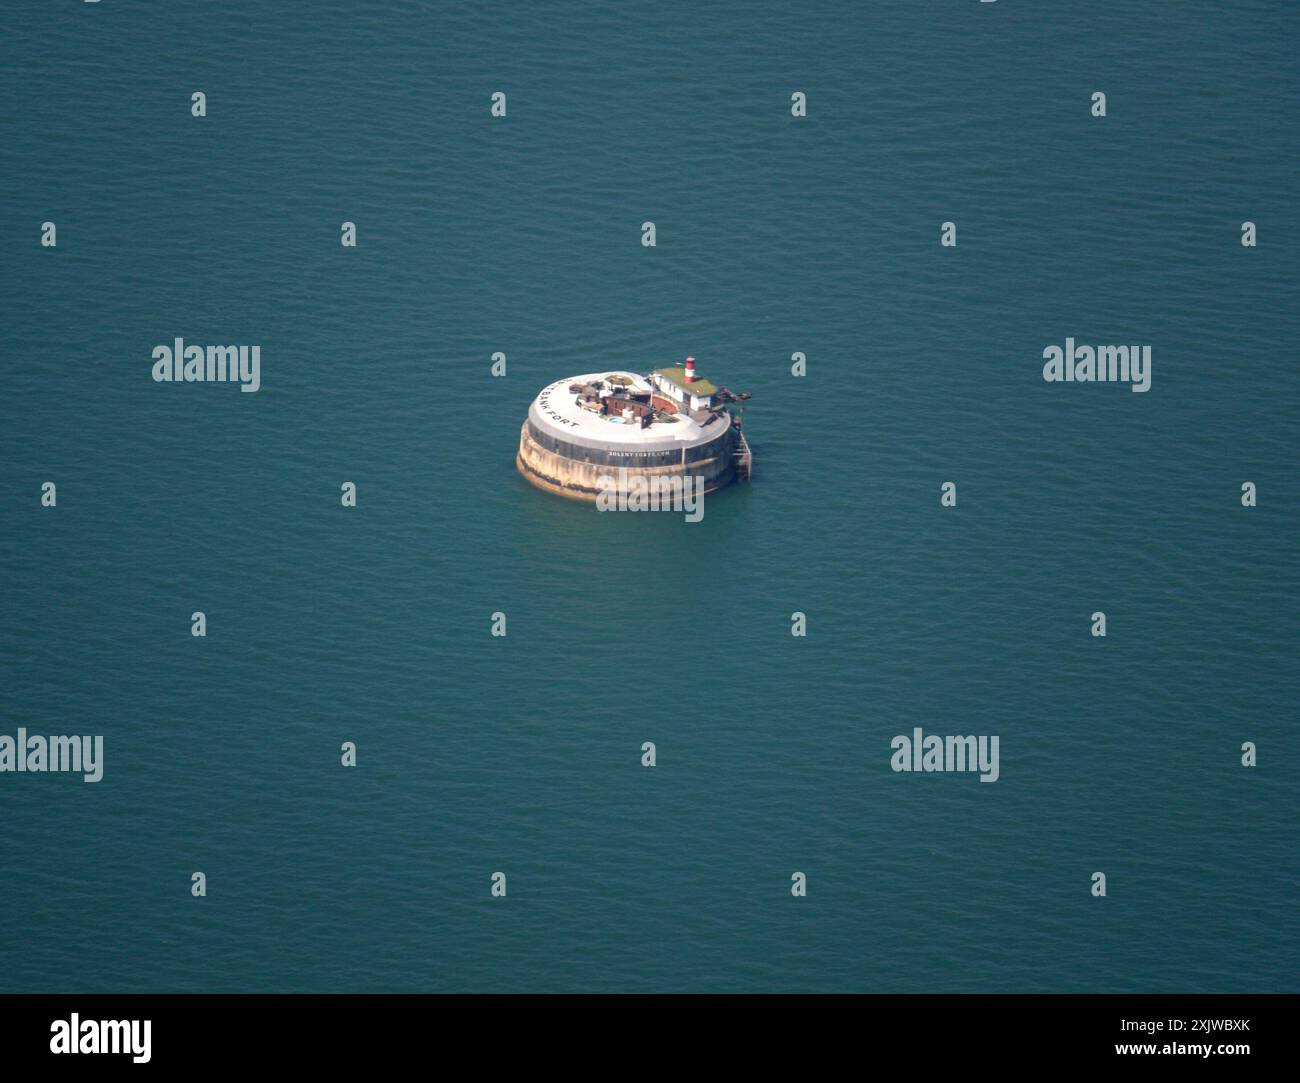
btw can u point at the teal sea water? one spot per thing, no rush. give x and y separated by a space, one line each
775 234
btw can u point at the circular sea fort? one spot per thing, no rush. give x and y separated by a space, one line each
605 431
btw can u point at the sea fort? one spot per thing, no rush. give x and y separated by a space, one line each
618 434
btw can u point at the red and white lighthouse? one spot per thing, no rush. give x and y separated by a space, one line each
690 370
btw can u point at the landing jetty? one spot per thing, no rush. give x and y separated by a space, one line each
668 423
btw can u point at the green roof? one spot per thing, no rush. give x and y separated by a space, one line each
699 386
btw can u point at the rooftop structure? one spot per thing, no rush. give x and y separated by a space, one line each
677 376
682 384
595 416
